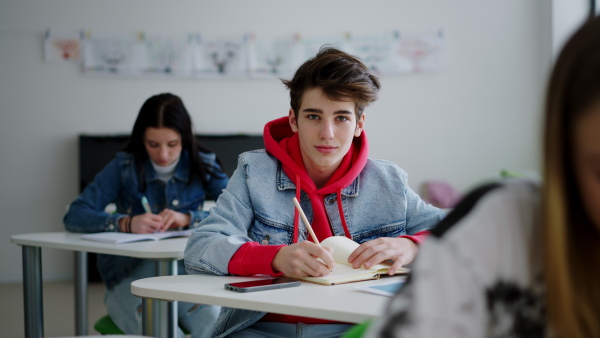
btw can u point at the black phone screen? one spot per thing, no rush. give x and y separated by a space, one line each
262 284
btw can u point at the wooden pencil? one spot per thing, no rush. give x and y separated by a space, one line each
310 230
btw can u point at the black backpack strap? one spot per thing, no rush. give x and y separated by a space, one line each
463 208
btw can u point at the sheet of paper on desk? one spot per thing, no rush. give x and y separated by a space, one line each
120 237
385 288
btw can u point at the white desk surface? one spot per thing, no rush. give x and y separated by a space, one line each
337 302
171 248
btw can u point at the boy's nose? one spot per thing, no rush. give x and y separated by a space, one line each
326 130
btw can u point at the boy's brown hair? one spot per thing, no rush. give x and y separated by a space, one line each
341 77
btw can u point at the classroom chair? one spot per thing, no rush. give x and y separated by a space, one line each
106 326
357 330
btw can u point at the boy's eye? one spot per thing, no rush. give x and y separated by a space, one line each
342 118
312 116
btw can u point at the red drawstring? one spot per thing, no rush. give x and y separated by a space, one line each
342 216
340 210
296 214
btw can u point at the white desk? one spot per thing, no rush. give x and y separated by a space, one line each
338 302
166 252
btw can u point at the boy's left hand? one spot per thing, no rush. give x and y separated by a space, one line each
173 219
401 250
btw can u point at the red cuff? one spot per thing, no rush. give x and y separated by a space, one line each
418 238
254 259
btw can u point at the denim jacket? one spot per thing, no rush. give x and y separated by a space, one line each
118 182
257 206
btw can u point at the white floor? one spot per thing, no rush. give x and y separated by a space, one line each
59 309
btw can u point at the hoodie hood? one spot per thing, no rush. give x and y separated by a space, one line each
282 143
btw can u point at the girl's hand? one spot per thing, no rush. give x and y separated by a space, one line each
173 219
146 223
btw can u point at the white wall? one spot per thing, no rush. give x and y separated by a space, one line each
566 16
480 115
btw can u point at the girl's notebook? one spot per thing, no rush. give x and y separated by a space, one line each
122 237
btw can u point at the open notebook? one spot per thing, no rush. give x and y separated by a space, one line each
343 272
121 237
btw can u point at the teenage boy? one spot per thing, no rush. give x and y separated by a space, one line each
318 154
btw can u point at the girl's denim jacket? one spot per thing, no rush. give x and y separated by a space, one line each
118 183
257 206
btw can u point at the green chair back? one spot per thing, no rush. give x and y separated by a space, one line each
357 330
105 326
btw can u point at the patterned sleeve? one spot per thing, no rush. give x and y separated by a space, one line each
437 300
473 276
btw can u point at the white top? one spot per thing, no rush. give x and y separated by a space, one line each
342 302
164 173
481 277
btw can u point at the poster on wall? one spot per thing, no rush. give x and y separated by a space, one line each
62 46
252 56
375 51
273 57
418 53
220 57
168 56
113 54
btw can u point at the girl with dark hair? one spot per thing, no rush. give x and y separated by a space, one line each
164 163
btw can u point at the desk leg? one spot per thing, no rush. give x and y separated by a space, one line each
167 310
32 291
159 318
148 318
152 323
81 293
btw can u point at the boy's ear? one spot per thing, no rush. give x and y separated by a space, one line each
360 125
293 121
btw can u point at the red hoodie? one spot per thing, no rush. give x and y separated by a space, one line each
281 142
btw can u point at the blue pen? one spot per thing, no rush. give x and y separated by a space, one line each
146 205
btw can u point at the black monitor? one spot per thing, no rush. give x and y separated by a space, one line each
95 151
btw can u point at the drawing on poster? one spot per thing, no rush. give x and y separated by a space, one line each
62 46
417 53
169 56
113 54
272 57
375 51
220 57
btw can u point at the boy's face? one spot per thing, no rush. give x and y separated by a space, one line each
326 129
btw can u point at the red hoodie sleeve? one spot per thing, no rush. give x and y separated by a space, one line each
418 238
253 259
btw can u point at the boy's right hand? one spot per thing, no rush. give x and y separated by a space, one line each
302 260
146 223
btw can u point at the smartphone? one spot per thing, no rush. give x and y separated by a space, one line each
263 284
